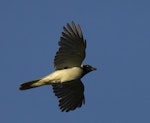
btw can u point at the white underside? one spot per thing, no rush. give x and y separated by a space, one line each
62 76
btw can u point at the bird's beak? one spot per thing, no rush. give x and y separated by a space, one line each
94 68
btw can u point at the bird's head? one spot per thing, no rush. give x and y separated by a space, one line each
87 68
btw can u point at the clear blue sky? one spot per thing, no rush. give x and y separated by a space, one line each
118 39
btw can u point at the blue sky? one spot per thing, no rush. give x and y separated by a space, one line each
118 44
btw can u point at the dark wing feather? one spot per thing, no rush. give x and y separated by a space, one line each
70 94
71 52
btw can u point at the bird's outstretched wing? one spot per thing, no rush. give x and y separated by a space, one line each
72 48
70 94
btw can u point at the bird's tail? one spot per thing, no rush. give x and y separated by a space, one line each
31 84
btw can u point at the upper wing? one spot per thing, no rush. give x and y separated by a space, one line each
70 94
72 48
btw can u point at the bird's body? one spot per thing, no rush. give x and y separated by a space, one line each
64 75
58 76
65 79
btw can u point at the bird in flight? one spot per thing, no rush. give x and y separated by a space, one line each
65 80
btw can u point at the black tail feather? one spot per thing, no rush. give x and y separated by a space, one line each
28 85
